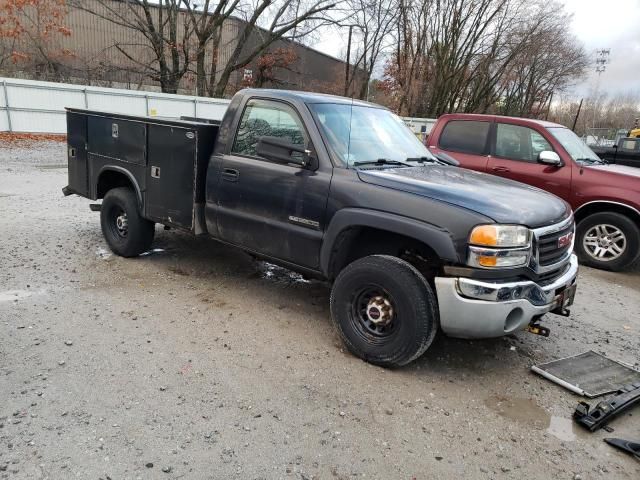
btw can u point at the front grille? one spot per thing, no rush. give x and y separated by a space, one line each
549 251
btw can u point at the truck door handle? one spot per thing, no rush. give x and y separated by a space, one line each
230 174
501 169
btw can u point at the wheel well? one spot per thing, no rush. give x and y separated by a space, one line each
601 207
358 242
111 179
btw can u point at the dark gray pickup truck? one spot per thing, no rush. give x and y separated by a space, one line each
626 152
338 190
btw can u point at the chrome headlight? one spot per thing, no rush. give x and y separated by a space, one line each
496 246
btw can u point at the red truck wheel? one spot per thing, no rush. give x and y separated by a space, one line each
608 240
384 310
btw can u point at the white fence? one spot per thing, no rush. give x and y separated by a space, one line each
39 107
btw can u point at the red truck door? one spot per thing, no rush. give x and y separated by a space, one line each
465 140
515 150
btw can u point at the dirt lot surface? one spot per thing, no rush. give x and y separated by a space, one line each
197 362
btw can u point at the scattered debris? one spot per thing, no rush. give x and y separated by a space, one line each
17 138
625 445
597 417
589 374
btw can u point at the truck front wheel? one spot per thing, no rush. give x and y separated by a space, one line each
607 240
384 310
124 229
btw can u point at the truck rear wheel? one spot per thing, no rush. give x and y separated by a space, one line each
608 240
124 229
384 310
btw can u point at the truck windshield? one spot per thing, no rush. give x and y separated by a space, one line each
576 148
360 135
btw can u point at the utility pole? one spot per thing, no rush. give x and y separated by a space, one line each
601 62
347 66
575 120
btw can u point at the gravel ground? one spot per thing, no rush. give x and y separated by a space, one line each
195 361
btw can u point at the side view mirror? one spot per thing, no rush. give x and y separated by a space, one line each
549 158
282 150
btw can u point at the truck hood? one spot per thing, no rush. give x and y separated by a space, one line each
503 200
618 169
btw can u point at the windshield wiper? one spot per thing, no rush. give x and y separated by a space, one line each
440 158
381 161
422 159
597 161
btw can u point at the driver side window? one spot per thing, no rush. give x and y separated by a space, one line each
264 118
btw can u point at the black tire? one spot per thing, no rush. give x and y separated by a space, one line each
412 312
124 229
587 238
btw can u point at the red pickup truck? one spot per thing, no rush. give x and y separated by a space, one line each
605 198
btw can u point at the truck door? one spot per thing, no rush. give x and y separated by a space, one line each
77 153
271 208
515 156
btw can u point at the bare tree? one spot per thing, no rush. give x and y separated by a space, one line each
472 55
207 20
601 115
375 20
30 37
163 50
179 33
265 22
537 71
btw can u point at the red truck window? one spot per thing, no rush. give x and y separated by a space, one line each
519 143
465 136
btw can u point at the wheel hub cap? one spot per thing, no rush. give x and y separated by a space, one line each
605 242
380 311
122 224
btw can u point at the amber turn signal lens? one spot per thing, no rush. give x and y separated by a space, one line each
487 261
484 235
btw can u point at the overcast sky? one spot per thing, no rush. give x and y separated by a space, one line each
613 24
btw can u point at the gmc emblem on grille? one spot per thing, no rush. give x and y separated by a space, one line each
565 240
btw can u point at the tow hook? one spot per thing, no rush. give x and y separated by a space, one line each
538 329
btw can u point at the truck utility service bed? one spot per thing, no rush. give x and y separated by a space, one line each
167 160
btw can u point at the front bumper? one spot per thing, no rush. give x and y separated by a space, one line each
475 309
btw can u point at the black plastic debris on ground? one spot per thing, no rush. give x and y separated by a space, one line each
625 445
589 374
594 418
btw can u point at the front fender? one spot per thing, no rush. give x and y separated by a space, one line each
435 237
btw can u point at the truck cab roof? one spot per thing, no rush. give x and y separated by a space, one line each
514 120
305 97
